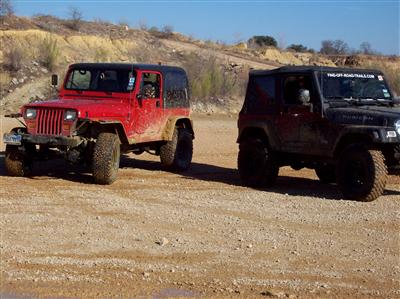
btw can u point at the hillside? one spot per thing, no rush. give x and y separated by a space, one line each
33 48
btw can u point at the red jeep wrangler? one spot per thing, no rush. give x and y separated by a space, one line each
103 110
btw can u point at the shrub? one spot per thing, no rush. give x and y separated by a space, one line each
141 55
297 48
75 18
258 41
6 8
167 30
101 55
49 52
14 58
336 47
209 80
123 23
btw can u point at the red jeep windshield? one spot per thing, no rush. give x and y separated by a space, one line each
101 80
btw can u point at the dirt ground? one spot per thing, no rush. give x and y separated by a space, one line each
199 234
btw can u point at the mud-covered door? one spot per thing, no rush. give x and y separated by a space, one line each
298 123
148 105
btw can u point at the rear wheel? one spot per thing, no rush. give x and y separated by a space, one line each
361 173
106 156
256 163
326 174
177 153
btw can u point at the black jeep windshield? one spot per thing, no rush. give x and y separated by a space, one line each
354 86
101 80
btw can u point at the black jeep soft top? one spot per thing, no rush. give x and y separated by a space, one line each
344 123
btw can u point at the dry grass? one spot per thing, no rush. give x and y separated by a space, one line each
49 52
15 57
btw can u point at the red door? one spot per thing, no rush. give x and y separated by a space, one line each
148 106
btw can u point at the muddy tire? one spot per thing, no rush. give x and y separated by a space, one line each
256 164
177 154
106 156
361 173
18 162
326 174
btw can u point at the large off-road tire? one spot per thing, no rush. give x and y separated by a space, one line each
361 173
106 156
256 163
177 154
18 162
326 173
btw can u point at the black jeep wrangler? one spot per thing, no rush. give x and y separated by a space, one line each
344 123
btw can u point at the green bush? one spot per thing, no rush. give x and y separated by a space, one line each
262 41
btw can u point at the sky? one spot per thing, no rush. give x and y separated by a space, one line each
288 21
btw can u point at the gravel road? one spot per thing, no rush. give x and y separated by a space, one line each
199 234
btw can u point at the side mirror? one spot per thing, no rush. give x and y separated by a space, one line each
54 80
139 96
304 96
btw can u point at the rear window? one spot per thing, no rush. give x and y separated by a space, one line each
260 93
176 90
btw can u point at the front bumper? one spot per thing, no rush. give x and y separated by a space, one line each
19 139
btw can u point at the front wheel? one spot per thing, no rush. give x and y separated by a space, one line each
18 161
177 153
106 156
361 173
256 163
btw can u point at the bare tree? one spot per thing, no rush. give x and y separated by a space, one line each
6 8
143 25
75 18
167 30
366 48
336 47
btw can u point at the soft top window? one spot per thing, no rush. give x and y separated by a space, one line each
260 94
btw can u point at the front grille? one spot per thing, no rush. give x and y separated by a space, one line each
49 121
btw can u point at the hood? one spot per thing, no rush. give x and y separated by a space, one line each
364 115
93 108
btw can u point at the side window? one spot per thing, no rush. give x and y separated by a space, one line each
292 85
260 94
176 87
150 85
79 79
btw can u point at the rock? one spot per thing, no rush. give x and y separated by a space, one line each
97 217
163 242
250 246
146 274
44 70
21 80
35 63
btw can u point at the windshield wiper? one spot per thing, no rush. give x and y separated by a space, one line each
381 102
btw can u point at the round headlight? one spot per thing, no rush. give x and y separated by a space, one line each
30 113
70 115
397 126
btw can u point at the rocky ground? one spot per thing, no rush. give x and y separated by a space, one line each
198 234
